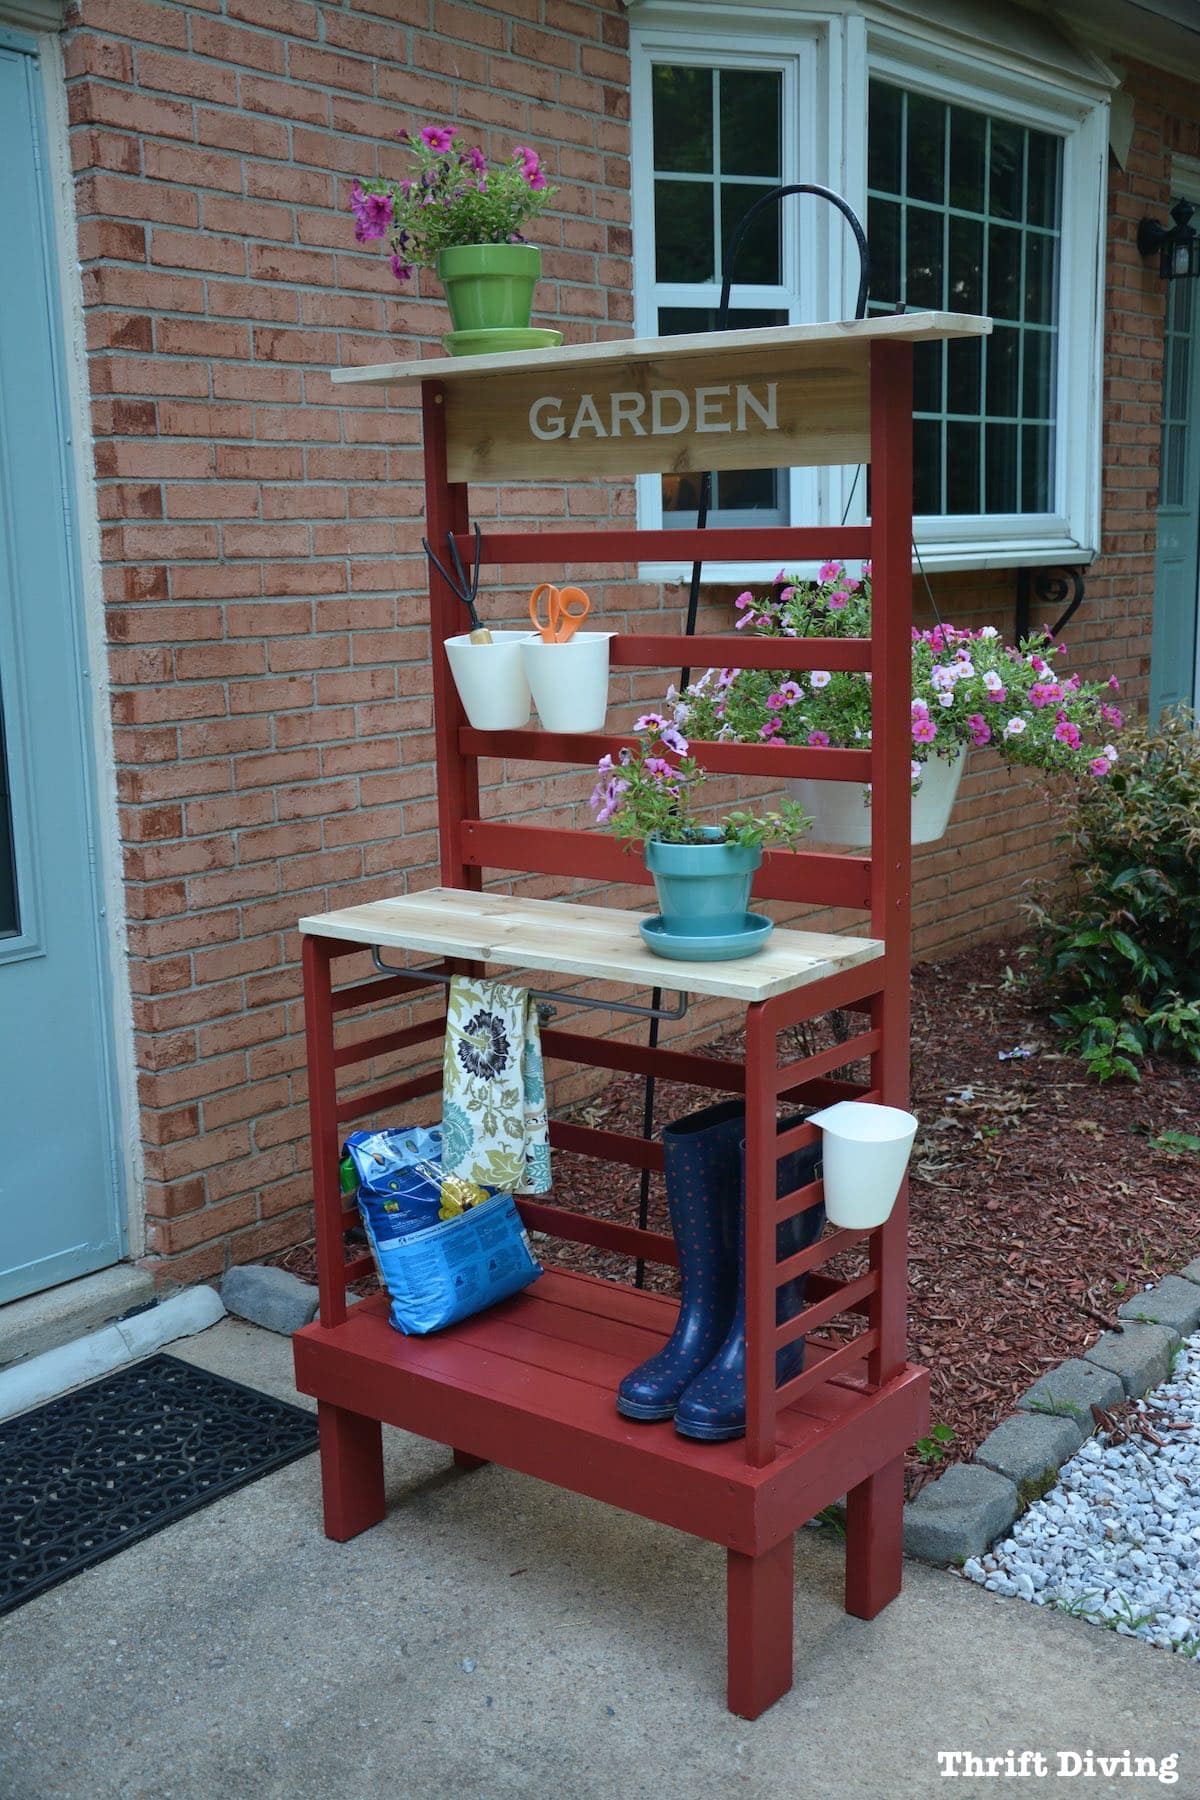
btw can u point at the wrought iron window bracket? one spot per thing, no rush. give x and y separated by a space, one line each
1050 586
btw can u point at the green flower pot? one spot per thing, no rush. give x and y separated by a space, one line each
489 286
703 889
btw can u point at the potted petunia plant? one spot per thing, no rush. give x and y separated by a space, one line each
466 222
702 872
969 689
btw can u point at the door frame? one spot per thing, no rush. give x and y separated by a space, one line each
90 683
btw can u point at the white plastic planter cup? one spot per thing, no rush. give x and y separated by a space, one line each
569 681
490 679
865 1153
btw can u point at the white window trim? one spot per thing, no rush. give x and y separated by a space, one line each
854 40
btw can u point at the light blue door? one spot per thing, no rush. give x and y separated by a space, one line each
1177 560
59 1215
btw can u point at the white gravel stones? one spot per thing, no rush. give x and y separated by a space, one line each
1117 1541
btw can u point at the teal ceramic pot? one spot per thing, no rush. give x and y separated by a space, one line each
489 285
703 889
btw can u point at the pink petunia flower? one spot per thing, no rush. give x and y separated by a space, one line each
1112 715
837 600
401 270
771 730
924 731
372 214
820 678
744 599
1068 734
829 571
819 740
1099 765
1114 684
473 158
981 731
790 692
438 138
1014 728
916 770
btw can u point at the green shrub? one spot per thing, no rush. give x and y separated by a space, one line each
1118 944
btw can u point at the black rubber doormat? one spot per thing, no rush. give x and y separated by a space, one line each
86 1475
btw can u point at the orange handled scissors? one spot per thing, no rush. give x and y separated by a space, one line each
566 609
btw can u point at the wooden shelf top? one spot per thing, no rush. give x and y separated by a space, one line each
794 344
596 941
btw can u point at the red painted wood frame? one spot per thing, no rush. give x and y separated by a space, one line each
879 883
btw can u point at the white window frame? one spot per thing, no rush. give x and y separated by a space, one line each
846 43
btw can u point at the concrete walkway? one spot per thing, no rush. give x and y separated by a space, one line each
495 1637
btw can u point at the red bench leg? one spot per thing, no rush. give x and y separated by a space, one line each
875 1541
464 1460
351 1471
759 1629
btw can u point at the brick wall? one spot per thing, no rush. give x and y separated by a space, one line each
260 534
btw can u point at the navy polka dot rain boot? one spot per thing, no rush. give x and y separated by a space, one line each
713 1407
702 1161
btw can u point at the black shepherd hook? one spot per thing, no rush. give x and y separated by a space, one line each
860 312
465 589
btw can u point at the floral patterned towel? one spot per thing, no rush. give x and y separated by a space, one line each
494 1128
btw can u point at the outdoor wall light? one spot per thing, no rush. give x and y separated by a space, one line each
1177 249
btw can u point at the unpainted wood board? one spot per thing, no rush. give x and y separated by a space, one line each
596 941
719 347
672 416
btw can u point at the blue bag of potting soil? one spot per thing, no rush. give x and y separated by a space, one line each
436 1269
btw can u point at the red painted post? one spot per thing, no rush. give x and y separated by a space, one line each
317 955
875 1540
446 510
351 1471
759 1228
758 1597
891 751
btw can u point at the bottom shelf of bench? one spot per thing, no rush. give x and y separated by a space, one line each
531 1384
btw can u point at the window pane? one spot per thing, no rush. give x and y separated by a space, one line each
1006 169
749 490
674 320
883 139
962 468
964 376
1000 480
883 239
926 142
10 917
1002 354
927 377
1037 383
749 114
1004 272
923 287
759 257
683 231
966 266
683 110
1042 203
1040 283
968 149
1036 495
927 466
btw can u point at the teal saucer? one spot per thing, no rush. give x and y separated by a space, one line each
751 938
498 339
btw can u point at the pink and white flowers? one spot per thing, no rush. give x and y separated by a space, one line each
450 198
968 688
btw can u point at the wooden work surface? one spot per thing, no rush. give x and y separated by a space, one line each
801 344
597 941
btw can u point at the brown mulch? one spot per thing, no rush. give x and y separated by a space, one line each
1038 1201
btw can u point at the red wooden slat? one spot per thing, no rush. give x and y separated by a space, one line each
800 1200
826 1093
356 1269
664 650
372 993
365 1049
609 1146
377 1100
835 990
846 1356
816 1255
771 543
317 956
808 877
605 1234
734 759
350 1218
847 1299
852 1050
639 1059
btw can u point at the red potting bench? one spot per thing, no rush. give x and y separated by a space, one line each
531 1383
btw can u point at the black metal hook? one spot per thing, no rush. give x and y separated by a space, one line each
465 590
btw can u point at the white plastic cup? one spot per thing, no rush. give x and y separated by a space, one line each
490 679
865 1153
569 681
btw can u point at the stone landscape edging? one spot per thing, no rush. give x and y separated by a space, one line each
965 1509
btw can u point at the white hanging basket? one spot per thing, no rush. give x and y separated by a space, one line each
841 810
